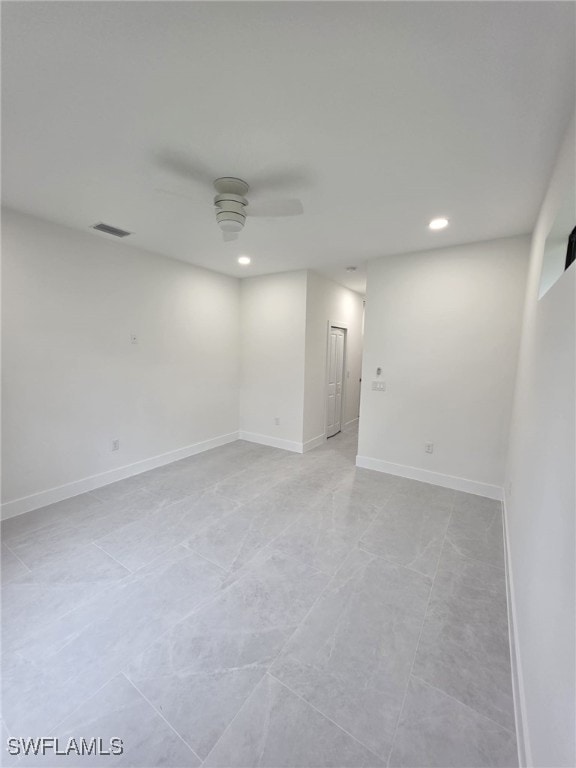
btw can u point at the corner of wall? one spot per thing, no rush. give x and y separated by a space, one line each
520 719
539 471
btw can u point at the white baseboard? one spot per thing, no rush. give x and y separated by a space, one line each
316 442
522 735
273 442
434 478
351 423
52 495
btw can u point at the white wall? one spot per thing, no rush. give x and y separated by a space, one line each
73 382
541 497
327 302
553 263
284 331
444 325
273 319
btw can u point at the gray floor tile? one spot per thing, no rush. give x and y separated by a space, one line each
35 698
436 730
464 648
255 479
201 705
51 544
125 489
307 488
99 638
409 532
232 540
48 516
201 672
117 513
143 540
48 545
118 711
29 608
12 566
89 564
363 486
209 468
351 658
276 729
433 495
9 758
207 580
475 529
324 535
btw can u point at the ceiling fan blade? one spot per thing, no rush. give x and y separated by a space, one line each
178 164
228 236
289 178
172 193
276 208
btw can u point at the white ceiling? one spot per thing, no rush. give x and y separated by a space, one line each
380 116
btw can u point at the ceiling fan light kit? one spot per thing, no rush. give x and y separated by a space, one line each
230 204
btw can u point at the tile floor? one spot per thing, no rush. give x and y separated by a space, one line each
251 607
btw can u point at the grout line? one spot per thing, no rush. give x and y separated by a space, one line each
320 595
476 559
419 637
5 724
184 543
130 571
225 731
17 558
463 703
281 651
88 698
99 591
146 699
203 603
331 578
392 562
325 716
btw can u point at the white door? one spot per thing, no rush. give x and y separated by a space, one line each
335 379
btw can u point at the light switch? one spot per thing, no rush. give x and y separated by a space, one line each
379 386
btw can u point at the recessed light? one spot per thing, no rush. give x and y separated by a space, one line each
244 260
439 223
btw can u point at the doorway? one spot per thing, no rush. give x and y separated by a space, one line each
336 355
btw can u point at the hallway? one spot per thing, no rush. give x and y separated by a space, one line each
253 607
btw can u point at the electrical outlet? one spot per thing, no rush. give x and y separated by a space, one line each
115 445
379 386
277 421
429 447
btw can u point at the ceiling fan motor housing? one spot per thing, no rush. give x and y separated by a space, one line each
230 203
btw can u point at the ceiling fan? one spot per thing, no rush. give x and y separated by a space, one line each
231 205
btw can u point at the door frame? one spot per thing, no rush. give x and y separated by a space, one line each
343 327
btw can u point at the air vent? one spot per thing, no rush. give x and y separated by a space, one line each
111 230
